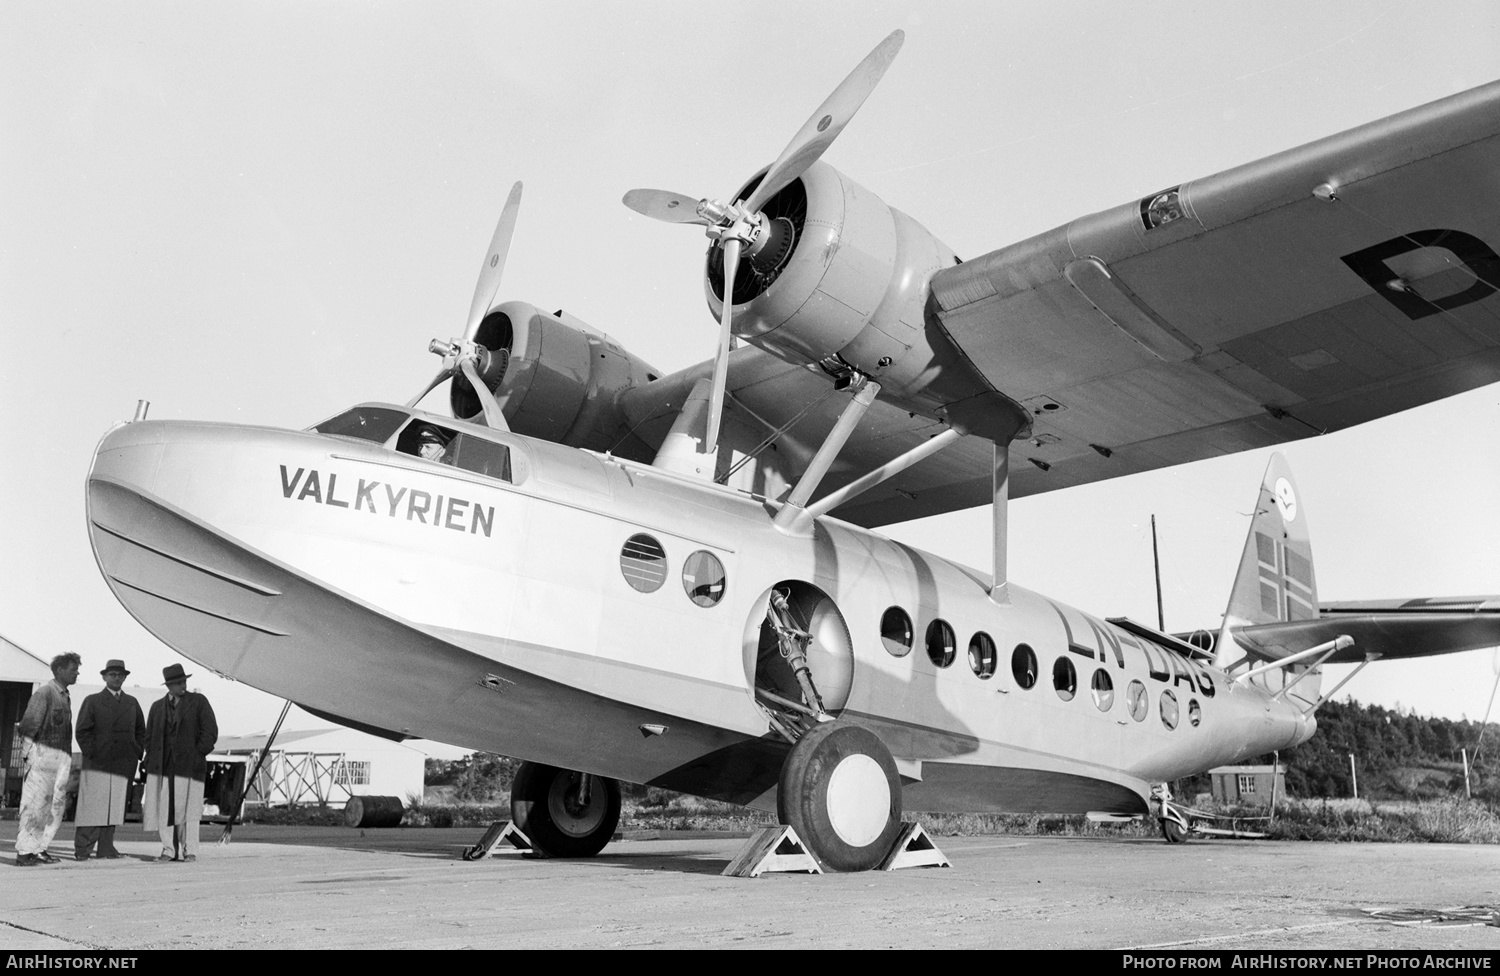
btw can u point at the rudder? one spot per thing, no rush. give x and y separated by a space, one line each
1275 580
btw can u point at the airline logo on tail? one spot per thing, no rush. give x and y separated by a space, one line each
1286 499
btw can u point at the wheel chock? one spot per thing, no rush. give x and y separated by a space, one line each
499 833
771 849
913 849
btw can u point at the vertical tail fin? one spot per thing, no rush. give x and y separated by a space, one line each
1275 580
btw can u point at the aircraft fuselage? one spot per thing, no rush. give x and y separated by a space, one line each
544 614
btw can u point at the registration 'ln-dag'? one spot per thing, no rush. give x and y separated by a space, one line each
614 574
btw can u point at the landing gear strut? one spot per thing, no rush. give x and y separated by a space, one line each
565 813
1174 824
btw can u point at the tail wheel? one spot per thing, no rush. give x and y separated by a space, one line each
565 813
839 790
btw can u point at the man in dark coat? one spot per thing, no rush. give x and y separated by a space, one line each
180 733
111 734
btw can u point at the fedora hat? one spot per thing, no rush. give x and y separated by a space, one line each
173 672
115 664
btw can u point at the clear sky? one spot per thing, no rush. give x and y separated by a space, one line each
262 212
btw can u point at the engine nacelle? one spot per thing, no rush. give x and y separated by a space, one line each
850 279
555 378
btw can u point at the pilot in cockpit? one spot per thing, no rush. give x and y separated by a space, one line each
431 446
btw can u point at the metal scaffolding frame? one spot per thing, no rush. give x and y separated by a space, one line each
301 778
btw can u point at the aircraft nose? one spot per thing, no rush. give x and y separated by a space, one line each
129 454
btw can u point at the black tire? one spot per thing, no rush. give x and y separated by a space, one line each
853 826
543 805
1173 831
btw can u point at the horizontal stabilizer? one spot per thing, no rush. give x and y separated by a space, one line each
1387 628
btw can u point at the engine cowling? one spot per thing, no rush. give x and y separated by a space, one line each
844 276
555 378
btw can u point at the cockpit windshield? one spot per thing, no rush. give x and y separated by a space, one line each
365 423
424 439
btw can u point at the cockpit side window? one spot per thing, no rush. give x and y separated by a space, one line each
480 456
426 440
364 423
446 446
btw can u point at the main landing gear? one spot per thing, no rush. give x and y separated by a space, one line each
839 789
564 813
840 792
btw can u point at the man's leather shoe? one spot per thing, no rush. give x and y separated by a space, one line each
27 860
47 858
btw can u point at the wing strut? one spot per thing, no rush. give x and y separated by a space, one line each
1000 525
1334 690
1326 650
794 514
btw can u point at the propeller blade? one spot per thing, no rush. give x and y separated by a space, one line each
674 208
721 359
493 416
494 262
818 133
429 387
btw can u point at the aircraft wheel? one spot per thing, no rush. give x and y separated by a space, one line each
1173 831
545 803
840 791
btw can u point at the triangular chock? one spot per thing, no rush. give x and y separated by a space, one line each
772 849
500 832
913 849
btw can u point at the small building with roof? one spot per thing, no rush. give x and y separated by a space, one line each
21 673
1249 785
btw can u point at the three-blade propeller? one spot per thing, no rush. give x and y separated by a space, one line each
736 225
463 356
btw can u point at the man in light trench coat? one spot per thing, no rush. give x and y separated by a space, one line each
180 733
111 734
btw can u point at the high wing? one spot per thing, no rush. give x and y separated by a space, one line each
1387 628
1310 291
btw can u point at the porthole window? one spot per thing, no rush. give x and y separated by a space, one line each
942 646
1064 679
896 632
1135 700
1195 712
644 563
1103 688
703 578
982 656
1169 709
1023 665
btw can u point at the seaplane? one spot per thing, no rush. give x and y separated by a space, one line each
620 574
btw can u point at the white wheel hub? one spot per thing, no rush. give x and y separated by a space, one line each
859 800
570 817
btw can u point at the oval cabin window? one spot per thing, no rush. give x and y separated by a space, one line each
982 655
703 578
643 562
896 632
942 646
